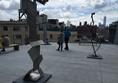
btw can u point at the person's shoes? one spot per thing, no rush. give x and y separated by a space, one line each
65 48
57 49
2 50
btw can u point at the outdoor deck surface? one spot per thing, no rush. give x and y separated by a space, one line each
71 66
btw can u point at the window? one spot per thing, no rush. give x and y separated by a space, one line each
17 36
4 35
16 28
26 28
40 27
26 36
5 28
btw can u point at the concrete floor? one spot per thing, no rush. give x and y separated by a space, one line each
71 66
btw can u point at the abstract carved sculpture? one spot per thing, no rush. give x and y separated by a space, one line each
36 57
94 55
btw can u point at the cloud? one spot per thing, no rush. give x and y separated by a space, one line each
74 11
15 5
112 5
5 4
9 4
100 5
59 13
51 4
97 4
111 16
68 7
2 14
6 15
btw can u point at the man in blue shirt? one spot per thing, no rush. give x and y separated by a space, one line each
67 35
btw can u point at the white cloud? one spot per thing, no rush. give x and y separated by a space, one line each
100 5
6 15
59 13
9 4
3 15
73 10
68 7
15 5
4 4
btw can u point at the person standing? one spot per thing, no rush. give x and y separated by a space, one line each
67 35
60 41
5 42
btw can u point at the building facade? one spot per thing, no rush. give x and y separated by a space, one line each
86 31
113 32
17 31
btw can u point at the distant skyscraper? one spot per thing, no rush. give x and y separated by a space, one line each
104 21
101 25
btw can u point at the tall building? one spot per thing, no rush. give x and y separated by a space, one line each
104 21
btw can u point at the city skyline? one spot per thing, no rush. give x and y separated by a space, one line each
65 10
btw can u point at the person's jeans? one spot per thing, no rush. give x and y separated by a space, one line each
66 43
60 46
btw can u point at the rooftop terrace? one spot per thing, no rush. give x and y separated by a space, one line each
71 66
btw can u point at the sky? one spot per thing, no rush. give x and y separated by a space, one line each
74 11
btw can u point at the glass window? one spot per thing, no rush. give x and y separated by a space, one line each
26 36
26 28
17 36
40 27
16 28
5 28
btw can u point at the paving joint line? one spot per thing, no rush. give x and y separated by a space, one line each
101 71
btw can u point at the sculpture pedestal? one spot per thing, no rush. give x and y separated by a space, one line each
94 57
44 79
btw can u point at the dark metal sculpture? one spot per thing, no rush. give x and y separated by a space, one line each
93 35
29 10
36 57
